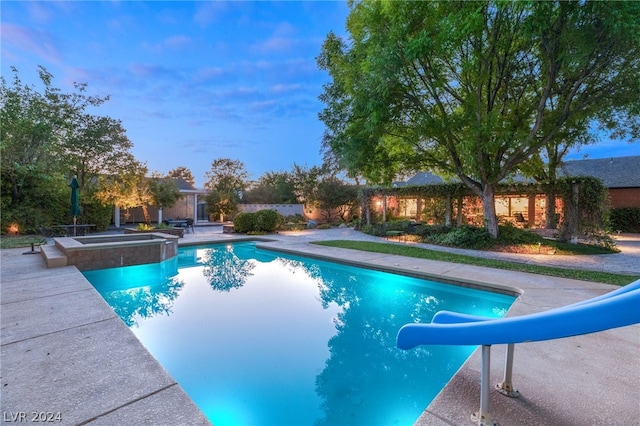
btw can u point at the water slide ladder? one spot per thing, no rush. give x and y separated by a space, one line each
615 309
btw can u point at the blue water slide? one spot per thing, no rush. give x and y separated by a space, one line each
450 317
615 309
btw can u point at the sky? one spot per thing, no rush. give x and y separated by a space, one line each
196 81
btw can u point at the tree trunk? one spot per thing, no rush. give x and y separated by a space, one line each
384 208
571 210
489 210
145 213
448 210
367 212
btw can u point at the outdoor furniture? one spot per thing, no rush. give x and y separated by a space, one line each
394 234
51 232
180 223
72 230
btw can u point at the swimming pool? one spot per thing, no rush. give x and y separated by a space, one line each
261 338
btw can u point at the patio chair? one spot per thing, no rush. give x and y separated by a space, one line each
190 224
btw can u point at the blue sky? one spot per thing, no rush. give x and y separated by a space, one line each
196 81
191 81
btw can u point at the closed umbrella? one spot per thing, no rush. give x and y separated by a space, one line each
75 201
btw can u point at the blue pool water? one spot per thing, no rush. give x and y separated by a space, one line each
261 338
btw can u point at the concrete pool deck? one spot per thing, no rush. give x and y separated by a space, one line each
64 350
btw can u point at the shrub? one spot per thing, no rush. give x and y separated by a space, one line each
376 229
625 219
510 235
295 219
293 222
244 222
267 220
463 237
426 231
96 213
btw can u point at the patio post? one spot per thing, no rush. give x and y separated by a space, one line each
506 387
482 417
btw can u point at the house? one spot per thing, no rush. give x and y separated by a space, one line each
191 205
620 175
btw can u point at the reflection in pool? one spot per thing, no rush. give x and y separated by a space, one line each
260 338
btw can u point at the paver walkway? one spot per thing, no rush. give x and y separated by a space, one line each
625 262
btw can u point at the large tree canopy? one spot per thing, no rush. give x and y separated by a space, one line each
47 136
473 89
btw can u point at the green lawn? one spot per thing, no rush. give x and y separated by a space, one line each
421 253
18 241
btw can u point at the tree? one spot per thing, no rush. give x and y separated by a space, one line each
182 172
226 180
305 182
473 89
335 199
93 146
164 192
222 203
128 189
27 136
543 167
47 136
226 174
272 188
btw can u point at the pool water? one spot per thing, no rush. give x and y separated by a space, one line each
257 337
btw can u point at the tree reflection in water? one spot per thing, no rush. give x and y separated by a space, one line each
152 293
366 379
224 269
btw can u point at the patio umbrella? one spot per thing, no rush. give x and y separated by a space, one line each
75 201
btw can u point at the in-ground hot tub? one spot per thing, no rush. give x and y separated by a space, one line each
110 251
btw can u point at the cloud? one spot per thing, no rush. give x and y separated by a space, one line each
44 12
275 45
39 13
282 40
177 42
262 106
37 42
284 88
209 12
209 74
152 71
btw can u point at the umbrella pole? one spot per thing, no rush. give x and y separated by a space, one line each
75 229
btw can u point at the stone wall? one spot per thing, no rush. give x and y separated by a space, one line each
283 209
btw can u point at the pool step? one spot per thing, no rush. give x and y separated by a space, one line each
53 257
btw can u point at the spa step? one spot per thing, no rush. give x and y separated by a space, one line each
53 257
